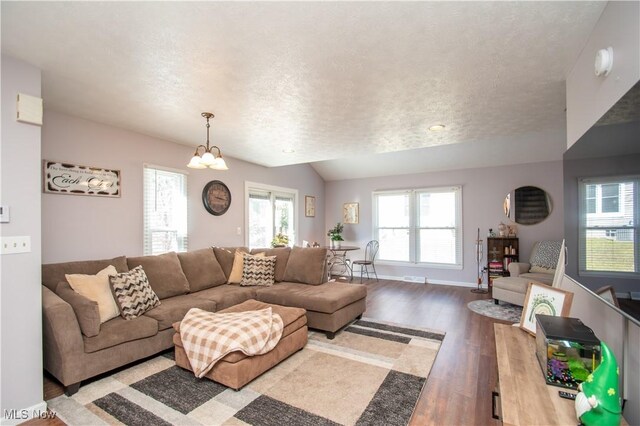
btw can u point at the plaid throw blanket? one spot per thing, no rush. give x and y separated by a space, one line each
207 337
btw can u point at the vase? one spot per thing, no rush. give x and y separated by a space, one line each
339 244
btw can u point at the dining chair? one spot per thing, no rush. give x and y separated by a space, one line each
370 253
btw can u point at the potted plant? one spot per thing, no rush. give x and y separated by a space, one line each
335 234
280 240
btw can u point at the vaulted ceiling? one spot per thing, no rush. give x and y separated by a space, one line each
351 87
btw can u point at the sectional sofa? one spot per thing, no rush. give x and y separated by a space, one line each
181 281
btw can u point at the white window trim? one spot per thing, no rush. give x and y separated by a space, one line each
270 188
413 228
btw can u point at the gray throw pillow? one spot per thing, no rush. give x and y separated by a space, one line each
133 293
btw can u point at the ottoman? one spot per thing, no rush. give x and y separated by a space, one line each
237 369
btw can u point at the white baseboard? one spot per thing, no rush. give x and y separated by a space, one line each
430 281
17 416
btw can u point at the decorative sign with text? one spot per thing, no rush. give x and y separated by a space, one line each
63 178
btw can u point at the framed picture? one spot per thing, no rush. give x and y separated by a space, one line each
72 179
309 206
543 299
350 213
608 293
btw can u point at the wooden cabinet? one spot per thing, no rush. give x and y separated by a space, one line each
500 252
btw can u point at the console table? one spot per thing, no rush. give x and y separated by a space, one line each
525 398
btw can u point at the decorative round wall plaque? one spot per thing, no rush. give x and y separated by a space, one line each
216 197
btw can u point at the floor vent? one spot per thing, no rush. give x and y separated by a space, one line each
413 279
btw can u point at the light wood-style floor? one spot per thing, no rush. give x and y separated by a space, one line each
458 390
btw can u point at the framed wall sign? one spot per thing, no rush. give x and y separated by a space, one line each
309 206
542 299
72 179
350 213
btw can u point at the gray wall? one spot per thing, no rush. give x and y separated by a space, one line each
81 227
483 192
588 96
20 294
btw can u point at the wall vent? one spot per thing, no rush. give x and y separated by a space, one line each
414 279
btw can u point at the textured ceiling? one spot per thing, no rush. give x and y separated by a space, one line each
333 81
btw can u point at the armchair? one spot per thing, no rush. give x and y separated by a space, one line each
539 269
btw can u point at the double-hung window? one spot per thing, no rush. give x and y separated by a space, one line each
608 229
422 226
165 210
270 210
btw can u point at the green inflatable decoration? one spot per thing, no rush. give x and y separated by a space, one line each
598 403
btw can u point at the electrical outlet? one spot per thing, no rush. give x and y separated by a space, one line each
239 231
13 245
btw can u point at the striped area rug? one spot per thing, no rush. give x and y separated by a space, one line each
371 373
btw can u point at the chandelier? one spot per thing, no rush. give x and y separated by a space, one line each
207 158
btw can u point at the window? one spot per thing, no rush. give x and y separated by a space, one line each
608 235
165 210
420 226
270 210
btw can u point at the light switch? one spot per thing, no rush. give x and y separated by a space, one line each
4 214
29 109
13 245
239 231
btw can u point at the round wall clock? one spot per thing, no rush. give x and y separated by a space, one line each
216 197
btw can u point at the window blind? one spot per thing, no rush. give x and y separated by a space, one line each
164 211
608 226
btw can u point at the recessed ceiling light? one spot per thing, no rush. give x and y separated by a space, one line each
288 150
437 128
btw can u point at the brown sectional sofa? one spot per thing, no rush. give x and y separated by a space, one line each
183 281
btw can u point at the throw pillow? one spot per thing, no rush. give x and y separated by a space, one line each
201 269
258 270
97 288
133 293
282 256
238 266
86 310
547 255
307 266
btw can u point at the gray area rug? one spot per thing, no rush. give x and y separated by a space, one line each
504 311
371 373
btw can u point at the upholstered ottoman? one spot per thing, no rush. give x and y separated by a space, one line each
237 369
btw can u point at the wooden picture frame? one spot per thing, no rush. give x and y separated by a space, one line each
309 206
74 179
608 294
350 213
543 299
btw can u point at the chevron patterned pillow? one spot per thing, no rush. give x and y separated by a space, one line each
133 293
258 270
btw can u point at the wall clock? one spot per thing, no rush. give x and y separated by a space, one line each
216 197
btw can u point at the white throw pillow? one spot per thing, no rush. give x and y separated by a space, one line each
97 288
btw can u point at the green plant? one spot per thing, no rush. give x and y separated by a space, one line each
335 233
280 240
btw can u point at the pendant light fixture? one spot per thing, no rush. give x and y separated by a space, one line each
207 159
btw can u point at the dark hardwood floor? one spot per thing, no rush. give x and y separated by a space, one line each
458 390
